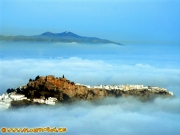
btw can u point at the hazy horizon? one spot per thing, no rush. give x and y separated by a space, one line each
133 20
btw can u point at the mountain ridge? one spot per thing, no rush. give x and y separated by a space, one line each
64 37
66 33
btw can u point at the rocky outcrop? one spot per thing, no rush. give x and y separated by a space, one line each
65 90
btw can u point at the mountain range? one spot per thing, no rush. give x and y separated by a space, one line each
64 37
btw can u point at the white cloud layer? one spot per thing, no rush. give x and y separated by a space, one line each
94 72
106 116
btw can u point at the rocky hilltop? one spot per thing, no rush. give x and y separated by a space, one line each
49 90
65 90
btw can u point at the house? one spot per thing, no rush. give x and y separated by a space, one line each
17 96
38 100
171 93
52 99
49 102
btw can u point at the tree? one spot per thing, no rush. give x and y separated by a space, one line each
30 79
18 90
37 77
10 90
63 76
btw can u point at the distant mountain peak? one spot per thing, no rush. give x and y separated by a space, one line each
66 33
47 33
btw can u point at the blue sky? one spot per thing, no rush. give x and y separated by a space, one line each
120 20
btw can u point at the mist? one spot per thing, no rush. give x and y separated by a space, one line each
106 116
15 73
95 65
150 65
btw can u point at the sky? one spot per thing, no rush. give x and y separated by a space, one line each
119 20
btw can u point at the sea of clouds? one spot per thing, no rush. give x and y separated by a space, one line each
17 72
106 116
127 116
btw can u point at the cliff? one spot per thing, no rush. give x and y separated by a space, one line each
65 90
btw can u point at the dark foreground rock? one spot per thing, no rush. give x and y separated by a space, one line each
23 103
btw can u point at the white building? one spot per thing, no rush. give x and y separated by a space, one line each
106 87
145 87
8 100
152 87
78 84
5 101
88 86
17 96
171 93
5 96
49 102
38 100
52 99
4 105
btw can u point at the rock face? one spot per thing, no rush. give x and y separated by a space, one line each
65 90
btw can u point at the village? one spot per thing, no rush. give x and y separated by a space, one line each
7 98
127 87
124 87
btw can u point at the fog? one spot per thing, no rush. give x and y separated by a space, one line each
15 73
105 116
